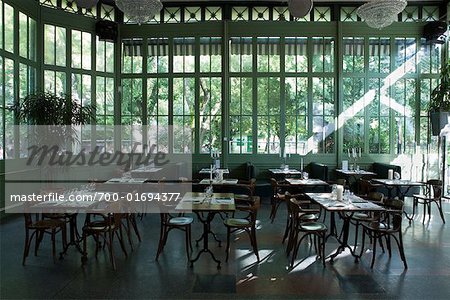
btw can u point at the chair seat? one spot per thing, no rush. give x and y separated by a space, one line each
47 224
423 197
98 227
242 197
309 217
281 196
232 222
313 226
181 221
377 226
361 217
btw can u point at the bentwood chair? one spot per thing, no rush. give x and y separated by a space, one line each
306 214
361 217
169 219
38 227
387 225
170 222
308 228
246 223
106 228
367 187
433 195
277 197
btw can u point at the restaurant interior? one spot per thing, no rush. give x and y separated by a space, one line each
164 149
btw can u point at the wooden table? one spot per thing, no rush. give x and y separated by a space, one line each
70 209
145 172
390 184
126 180
329 202
218 182
208 170
285 172
307 183
122 184
199 203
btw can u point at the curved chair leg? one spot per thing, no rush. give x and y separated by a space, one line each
291 239
414 207
227 250
439 205
287 229
356 235
363 242
135 227
26 249
54 244
374 250
402 249
187 242
388 245
254 243
111 249
429 210
120 237
294 255
424 211
190 238
162 238
399 242
322 246
274 210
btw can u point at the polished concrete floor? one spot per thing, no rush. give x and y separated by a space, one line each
427 247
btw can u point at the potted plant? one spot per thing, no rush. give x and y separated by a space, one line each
54 114
439 107
49 120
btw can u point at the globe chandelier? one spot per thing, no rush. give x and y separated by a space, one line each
381 13
139 11
299 8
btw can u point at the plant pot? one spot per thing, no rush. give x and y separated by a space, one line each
438 121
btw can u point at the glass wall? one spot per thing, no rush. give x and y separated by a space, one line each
299 93
17 72
178 84
86 74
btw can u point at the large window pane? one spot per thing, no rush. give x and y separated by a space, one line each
210 114
158 55
379 55
158 113
353 58
184 55
269 127
9 27
132 56
268 54
241 50
241 120
323 115
131 108
210 54
296 114
184 114
296 58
